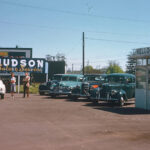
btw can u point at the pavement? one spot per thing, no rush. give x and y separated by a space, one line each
44 123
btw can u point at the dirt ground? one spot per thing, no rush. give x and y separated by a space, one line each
43 123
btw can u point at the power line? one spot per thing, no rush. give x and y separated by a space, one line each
77 30
116 41
115 33
73 13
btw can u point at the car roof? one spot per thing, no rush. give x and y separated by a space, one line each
95 75
121 74
70 75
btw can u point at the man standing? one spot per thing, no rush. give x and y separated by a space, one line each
26 86
13 85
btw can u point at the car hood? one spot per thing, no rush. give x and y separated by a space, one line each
68 83
112 86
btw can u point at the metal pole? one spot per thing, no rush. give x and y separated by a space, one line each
72 68
83 55
46 77
18 84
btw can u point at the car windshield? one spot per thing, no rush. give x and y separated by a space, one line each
57 77
72 78
65 78
68 78
115 79
91 78
95 78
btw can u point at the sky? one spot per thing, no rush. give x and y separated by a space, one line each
113 28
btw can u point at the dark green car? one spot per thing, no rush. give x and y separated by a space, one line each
118 88
65 85
90 81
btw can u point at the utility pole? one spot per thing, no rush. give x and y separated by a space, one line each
72 68
83 54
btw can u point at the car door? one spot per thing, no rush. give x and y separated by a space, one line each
129 87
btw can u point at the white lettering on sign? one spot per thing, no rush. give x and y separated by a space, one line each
31 63
6 62
40 63
14 62
23 62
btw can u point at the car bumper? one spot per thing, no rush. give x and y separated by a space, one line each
44 91
59 93
104 99
80 95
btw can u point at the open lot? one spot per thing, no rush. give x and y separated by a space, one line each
43 123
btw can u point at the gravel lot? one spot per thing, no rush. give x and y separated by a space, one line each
43 123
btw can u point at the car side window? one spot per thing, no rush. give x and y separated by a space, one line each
133 80
129 80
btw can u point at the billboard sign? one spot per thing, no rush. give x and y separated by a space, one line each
141 53
34 65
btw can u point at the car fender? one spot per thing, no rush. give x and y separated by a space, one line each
123 94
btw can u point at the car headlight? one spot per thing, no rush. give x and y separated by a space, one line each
68 88
113 92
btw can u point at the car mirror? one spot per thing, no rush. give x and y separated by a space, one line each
81 79
97 79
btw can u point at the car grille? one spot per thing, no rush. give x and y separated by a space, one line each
104 91
85 87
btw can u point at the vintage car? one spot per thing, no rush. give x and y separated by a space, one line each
45 87
90 81
118 88
65 86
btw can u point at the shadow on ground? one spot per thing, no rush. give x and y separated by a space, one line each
128 109
78 100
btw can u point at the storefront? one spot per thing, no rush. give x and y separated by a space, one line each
142 94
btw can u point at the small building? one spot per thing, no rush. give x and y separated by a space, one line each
142 94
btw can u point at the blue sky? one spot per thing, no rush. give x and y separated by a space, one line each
56 26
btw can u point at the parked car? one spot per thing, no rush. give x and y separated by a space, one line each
65 85
90 81
44 88
118 88
2 89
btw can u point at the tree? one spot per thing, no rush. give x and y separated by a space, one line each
114 68
90 70
131 64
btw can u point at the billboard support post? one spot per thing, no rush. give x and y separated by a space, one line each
18 83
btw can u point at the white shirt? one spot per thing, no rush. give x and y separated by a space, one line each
13 79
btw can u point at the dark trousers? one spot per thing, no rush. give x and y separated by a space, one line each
25 90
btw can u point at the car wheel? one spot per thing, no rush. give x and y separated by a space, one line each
70 96
121 101
75 97
41 93
2 96
53 95
95 101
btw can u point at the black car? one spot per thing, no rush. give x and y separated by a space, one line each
118 88
44 88
89 82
